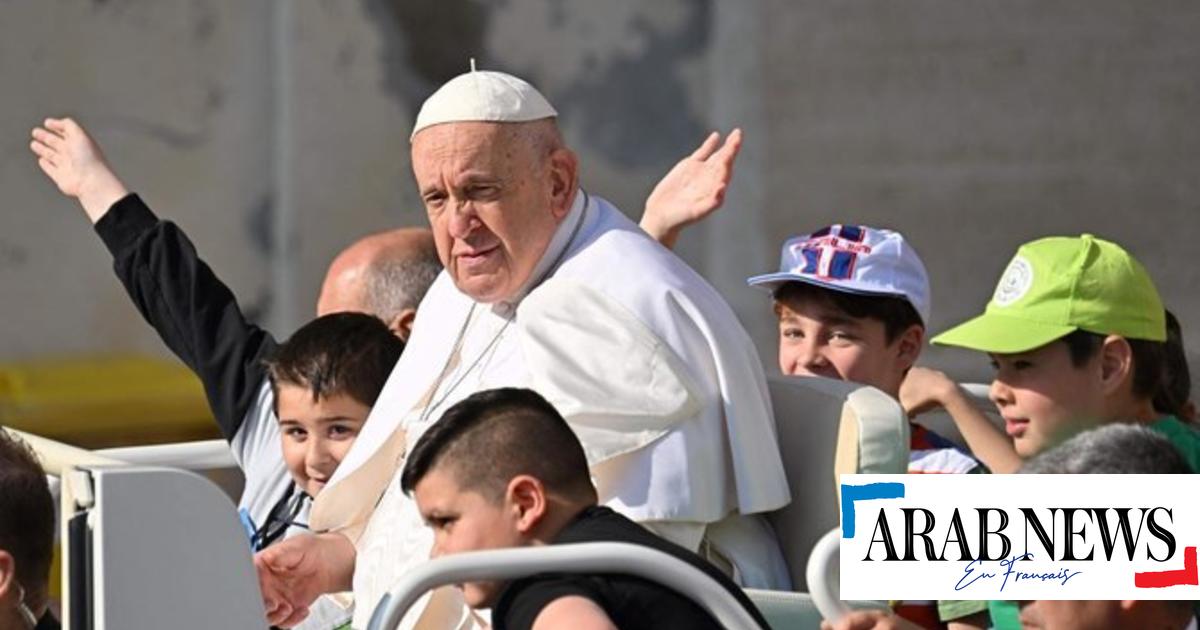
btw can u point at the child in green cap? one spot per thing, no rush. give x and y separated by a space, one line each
1076 332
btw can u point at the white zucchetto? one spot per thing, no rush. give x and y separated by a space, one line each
483 96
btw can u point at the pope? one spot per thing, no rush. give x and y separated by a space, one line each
551 288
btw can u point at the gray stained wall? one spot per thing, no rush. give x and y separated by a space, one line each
276 133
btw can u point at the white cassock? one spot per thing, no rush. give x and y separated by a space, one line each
643 358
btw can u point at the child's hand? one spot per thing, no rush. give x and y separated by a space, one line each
69 157
924 389
693 189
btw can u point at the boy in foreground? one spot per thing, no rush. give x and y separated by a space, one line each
503 469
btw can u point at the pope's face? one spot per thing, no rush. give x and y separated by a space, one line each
494 200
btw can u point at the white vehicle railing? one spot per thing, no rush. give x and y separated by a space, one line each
57 457
599 557
199 455
824 577
202 455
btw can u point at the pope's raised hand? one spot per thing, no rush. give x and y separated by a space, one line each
74 162
693 189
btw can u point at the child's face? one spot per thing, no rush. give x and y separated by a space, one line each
1044 398
816 339
316 435
465 520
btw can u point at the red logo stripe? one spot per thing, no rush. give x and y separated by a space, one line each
1188 575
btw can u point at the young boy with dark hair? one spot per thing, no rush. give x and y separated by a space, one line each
289 412
503 469
26 538
325 379
320 384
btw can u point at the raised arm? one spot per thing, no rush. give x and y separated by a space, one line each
924 389
693 189
76 165
195 314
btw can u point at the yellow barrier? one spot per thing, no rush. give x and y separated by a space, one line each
100 402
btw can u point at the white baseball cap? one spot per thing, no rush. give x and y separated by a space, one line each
483 96
854 259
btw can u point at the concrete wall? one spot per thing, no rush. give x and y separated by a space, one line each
976 126
175 94
275 133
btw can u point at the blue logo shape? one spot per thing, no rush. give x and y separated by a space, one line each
850 494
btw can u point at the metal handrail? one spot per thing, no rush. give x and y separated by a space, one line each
57 457
598 557
200 455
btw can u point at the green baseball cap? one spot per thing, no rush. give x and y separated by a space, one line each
1057 285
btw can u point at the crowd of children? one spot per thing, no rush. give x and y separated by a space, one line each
1076 331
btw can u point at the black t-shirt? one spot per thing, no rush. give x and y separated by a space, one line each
48 622
629 601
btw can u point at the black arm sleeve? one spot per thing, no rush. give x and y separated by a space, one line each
196 315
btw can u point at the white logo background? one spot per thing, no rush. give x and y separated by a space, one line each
1015 282
1100 578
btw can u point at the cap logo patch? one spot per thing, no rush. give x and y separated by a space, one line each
830 253
1015 282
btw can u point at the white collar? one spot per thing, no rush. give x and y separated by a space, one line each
564 234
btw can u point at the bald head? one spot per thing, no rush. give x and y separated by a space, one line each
384 274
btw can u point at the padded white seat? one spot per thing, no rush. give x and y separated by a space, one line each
826 428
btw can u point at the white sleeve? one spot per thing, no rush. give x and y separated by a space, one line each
617 384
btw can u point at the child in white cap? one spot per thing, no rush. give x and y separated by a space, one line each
852 304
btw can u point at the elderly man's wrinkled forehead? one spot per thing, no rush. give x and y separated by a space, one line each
449 143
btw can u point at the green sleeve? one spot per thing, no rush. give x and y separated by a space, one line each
1005 615
951 609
